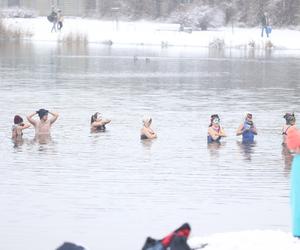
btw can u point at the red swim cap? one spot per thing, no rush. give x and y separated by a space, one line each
293 138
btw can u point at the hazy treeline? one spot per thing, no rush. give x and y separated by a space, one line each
248 12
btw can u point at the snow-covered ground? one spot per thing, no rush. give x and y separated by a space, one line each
154 34
248 240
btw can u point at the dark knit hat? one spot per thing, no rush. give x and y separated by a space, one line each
289 118
42 113
18 119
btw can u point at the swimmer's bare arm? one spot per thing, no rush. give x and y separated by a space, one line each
222 133
253 129
149 133
100 123
32 121
105 121
21 128
26 125
54 117
214 134
240 130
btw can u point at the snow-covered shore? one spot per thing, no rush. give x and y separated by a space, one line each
248 240
153 34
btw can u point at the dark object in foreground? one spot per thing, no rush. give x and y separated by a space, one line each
70 246
177 240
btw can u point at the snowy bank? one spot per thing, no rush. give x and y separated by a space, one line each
248 240
153 34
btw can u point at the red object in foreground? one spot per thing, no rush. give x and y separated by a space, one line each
182 231
293 138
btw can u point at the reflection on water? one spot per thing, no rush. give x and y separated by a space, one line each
77 185
247 149
147 144
287 157
18 141
214 148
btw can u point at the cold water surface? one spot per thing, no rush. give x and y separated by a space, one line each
110 190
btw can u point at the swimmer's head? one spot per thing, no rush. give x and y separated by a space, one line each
290 118
248 118
96 117
43 114
214 119
147 121
18 120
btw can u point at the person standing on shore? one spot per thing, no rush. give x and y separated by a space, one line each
53 19
265 22
60 19
43 126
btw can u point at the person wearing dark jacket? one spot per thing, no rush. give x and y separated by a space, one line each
177 240
265 22
54 20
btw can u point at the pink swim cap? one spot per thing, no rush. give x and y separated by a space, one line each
293 138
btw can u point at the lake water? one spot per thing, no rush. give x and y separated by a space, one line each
110 190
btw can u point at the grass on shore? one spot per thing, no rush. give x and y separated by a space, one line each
75 39
12 33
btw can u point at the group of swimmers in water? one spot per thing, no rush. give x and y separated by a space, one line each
215 131
246 129
43 124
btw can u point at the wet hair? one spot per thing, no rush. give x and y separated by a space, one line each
94 117
289 118
42 113
212 117
249 115
147 120
18 119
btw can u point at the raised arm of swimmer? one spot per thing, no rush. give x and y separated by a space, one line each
54 117
149 133
146 131
240 130
100 123
30 118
